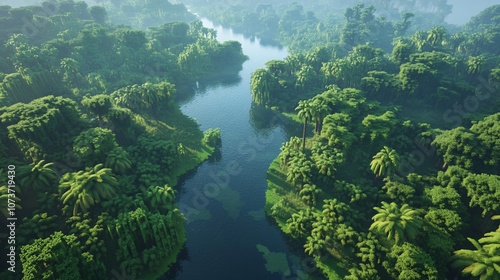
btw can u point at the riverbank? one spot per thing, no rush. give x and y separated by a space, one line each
281 201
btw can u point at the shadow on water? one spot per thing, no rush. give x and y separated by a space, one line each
181 190
263 119
216 156
226 77
176 268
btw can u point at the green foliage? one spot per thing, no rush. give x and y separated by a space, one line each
136 232
299 170
305 112
379 127
300 224
40 128
447 220
98 104
397 223
282 209
118 160
144 96
153 13
262 84
385 162
39 225
74 51
309 193
93 145
154 158
444 197
58 257
416 78
38 176
373 98
459 146
398 192
411 262
212 137
483 261
160 197
483 191
90 233
488 134
84 189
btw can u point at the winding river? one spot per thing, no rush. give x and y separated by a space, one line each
228 234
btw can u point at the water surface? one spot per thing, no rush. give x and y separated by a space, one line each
228 235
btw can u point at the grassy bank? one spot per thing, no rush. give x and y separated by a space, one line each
279 189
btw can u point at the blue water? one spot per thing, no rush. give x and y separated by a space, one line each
224 198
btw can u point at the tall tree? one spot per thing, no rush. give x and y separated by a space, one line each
319 112
305 113
261 85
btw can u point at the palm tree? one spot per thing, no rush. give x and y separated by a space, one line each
308 193
436 35
118 160
294 62
289 150
314 245
160 196
483 262
261 85
323 228
419 40
88 187
319 112
151 94
400 224
332 210
385 162
38 176
300 223
325 158
475 64
305 113
299 170
125 97
304 76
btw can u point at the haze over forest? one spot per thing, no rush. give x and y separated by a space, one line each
462 10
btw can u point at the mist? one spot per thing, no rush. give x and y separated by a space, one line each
463 10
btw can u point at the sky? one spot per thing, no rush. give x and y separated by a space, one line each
463 10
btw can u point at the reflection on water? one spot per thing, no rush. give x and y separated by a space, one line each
228 235
216 156
263 119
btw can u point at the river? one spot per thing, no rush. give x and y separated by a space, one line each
228 234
